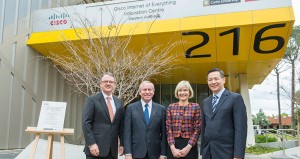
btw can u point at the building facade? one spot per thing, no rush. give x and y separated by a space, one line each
26 79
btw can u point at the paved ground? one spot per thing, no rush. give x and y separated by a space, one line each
292 153
10 154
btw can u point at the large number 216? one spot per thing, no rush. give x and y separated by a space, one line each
236 41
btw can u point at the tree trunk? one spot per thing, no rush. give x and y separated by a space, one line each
278 101
298 128
293 96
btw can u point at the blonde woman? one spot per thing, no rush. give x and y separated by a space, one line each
183 124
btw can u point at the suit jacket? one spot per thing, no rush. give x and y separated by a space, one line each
140 138
224 131
97 127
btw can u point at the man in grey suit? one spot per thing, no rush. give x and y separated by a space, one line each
145 127
224 121
102 122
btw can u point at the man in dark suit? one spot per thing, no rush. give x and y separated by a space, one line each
145 127
224 121
102 122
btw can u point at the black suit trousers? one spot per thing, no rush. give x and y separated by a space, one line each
109 156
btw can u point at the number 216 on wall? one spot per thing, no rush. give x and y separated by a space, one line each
235 33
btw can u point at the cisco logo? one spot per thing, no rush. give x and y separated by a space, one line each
59 19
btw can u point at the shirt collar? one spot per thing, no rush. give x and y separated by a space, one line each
220 93
149 104
105 95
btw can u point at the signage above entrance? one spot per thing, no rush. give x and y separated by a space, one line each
124 12
238 36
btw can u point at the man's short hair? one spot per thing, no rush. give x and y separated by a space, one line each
107 73
144 82
216 70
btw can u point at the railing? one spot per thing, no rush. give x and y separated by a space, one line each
280 133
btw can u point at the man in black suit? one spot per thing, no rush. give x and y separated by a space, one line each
145 127
102 122
224 121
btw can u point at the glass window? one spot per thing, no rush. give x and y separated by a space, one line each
193 100
156 97
173 98
202 92
166 93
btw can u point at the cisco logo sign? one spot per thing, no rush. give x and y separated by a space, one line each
59 19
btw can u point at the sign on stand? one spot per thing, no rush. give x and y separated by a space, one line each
51 122
52 115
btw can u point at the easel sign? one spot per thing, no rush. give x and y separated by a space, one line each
52 115
51 122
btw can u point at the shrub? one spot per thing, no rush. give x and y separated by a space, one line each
260 150
262 138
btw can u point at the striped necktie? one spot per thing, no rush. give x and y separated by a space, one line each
214 102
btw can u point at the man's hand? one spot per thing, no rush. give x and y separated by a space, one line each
185 150
128 157
94 150
162 157
121 150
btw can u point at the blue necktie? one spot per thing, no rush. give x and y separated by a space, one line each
146 114
214 102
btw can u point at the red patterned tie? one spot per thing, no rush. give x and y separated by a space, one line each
110 110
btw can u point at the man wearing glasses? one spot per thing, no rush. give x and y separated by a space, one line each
102 122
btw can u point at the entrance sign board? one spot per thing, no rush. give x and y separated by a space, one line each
236 35
119 12
52 115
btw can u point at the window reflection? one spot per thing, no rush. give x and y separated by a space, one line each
166 94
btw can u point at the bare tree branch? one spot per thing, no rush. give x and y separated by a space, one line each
98 51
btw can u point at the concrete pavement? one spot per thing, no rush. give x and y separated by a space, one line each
75 152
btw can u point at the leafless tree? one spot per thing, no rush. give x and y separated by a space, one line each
291 56
279 68
85 60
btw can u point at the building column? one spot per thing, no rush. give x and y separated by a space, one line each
245 93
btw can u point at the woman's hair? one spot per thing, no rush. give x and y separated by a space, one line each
184 84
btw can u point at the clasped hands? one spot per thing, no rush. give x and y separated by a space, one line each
177 153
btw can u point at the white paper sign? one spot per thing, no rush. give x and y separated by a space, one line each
52 115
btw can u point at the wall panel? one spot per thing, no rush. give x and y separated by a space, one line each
15 115
6 82
28 113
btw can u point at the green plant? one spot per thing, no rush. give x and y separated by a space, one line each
257 150
262 138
